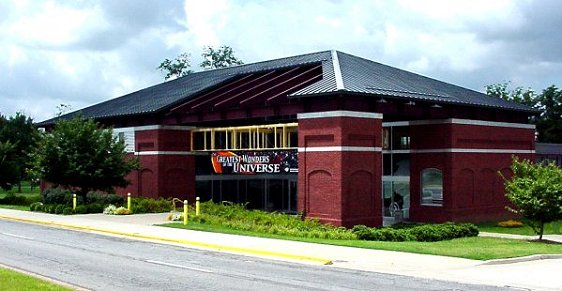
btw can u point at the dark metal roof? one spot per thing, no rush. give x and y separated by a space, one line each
340 73
371 78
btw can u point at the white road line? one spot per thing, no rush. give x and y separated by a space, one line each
178 266
15 235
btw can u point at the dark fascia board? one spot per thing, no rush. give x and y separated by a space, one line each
530 111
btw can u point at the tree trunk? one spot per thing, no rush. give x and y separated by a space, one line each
541 230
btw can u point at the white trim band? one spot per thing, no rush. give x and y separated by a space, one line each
168 127
339 149
460 121
164 153
339 113
461 150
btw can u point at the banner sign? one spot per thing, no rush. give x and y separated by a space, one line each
255 162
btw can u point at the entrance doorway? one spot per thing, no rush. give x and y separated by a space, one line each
259 191
395 199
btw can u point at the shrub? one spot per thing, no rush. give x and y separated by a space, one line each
95 208
57 196
122 211
510 223
391 234
49 208
81 209
59 208
22 200
236 216
110 209
445 231
149 205
105 199
37 206
67 211
363 232
416 232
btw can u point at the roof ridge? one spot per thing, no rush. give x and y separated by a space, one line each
337 71
262 62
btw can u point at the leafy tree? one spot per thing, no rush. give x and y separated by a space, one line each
548 102
549 122
177 67
8 165
519 95
20 132
78 154
536 192
213 59
219 58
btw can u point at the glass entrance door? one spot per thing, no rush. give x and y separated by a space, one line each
395 198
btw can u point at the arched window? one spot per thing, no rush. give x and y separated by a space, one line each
432 187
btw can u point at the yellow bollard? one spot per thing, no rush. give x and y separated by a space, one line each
185 212
129 201
197 206
73 201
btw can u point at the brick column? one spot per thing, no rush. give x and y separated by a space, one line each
340 166
167 168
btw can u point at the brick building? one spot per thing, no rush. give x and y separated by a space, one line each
328 134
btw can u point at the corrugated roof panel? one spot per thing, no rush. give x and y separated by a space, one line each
358 75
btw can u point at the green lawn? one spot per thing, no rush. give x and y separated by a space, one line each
15 207
550 228
12 280
25 190
477 248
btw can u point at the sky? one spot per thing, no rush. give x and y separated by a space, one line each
78 53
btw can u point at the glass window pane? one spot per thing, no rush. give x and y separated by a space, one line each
401 165
432 187
400 138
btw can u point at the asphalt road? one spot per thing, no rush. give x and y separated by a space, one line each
100 262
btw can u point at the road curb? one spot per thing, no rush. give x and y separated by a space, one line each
216 247
521 259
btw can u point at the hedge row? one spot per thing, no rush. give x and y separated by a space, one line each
56 200
423 232
12 199
236 216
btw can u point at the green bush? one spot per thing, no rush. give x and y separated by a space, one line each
149 205
416 232
13 199
59 208
105 199
67 211
56 196
95 208
81 209
36 206
236 216
392 234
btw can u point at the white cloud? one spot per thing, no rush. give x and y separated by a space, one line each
83 52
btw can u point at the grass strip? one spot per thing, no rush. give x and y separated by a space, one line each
550 228
15 207
12 280
476 248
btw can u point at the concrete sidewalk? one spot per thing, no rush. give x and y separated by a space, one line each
540 273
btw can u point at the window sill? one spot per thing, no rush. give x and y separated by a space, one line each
431 204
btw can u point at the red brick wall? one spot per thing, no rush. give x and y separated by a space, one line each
340 185
166 170
472 188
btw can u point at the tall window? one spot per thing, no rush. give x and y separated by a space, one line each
432 187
